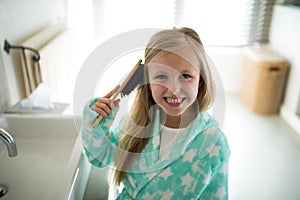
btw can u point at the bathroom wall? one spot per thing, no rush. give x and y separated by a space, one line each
4 97
18 20
228 62
284 38
23 18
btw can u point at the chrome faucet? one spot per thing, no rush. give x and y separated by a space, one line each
9 142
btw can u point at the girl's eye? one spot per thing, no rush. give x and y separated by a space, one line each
161 77
185 76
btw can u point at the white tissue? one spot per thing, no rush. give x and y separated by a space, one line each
39 98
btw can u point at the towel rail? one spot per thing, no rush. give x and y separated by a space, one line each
8 46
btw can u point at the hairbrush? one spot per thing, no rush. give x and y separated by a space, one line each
134 79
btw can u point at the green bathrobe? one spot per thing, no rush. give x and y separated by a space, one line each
196 166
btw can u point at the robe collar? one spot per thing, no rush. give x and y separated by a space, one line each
149 161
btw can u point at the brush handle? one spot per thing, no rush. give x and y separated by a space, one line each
113 98
97 121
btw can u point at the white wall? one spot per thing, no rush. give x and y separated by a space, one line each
228 61
18 20
285 39
21 19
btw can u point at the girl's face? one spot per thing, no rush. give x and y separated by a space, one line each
174 80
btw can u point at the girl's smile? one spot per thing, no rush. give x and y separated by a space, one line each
174 101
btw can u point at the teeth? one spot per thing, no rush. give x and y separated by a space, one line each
173 101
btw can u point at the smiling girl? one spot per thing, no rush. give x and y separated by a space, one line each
168 147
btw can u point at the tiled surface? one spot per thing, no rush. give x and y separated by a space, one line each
265 157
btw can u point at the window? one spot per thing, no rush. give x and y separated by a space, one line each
218 22
228 23
115 16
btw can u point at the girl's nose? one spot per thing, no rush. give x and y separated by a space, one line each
174 86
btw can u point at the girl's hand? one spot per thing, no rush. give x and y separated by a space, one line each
104 105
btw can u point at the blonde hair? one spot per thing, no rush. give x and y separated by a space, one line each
134 140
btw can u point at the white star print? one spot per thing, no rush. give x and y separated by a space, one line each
167 194
108 122
187 180
88 134
210 131
148 196
224 169
206 179
166 173
189 156
205 116
213 150
132 181
98 143
195 167
220 193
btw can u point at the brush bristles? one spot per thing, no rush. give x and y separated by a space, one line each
136 79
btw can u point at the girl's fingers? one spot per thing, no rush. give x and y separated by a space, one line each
103 110
116 102
104 101
103 106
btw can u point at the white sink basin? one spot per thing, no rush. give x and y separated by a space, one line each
48 155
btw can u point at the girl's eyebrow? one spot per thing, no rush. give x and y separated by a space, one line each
159 72
187 71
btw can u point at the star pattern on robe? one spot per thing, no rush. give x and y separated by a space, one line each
165 174
108 122
189 156
165 195
213 150
186 181
132 181
224 169
195 166
197 175
110 118
221 192
205 116
206 179
88 134
149 196
210 131
97 143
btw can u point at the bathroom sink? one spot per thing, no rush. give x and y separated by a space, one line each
49 152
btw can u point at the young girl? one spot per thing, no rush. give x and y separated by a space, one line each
168 147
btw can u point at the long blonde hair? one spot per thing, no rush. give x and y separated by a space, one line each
134 140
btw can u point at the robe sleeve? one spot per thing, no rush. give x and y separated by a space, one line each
217 186
217 189
100 142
